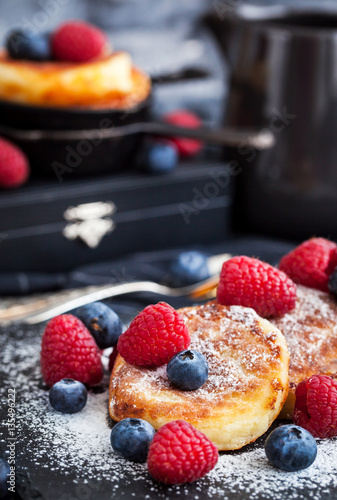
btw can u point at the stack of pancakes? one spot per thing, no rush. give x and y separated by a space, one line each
246 387
251 379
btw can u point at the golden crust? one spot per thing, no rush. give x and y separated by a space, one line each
245 390
310 331
109 82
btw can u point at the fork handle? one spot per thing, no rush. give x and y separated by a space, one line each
64 301
99 293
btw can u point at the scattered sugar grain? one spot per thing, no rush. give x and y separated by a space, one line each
81 443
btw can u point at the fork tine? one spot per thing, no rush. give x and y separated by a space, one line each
204 289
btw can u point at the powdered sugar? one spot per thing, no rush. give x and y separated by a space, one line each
244 315
239 352
69 456
311 332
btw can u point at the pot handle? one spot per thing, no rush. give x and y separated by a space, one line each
227 14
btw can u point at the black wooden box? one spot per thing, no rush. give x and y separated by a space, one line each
48 226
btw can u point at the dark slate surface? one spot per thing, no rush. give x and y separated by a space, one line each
39 477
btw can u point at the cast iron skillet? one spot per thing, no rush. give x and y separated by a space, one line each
96 141
32 128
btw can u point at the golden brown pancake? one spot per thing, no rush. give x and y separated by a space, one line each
108 82
245 390
311 335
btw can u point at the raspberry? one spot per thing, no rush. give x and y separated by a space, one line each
14 166
154 336
181 118
77 41
179 453
69 351
249 282
311 263
316 406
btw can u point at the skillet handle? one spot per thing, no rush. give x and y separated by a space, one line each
180 75
227 136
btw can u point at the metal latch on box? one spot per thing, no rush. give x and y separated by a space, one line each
90 222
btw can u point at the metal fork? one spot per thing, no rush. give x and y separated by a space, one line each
25 313
34 310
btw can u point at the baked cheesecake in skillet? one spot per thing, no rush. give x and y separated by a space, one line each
76 74
57 108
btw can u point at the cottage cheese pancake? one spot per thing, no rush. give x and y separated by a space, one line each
110 81
311 335
245 390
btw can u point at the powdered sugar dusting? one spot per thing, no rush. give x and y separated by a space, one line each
74 450
239 352
244 315
311 333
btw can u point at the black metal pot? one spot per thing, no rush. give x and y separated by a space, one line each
283 65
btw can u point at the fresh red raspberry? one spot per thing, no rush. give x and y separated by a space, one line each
249 282
311 263
69 351
77 41
154 336
14 166
186 147
179 453
316 406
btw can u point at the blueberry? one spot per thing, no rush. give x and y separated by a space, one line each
189 267
68 396
131 438
4 477
188 370
159 157
102 322
332 283
34 47
290 448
